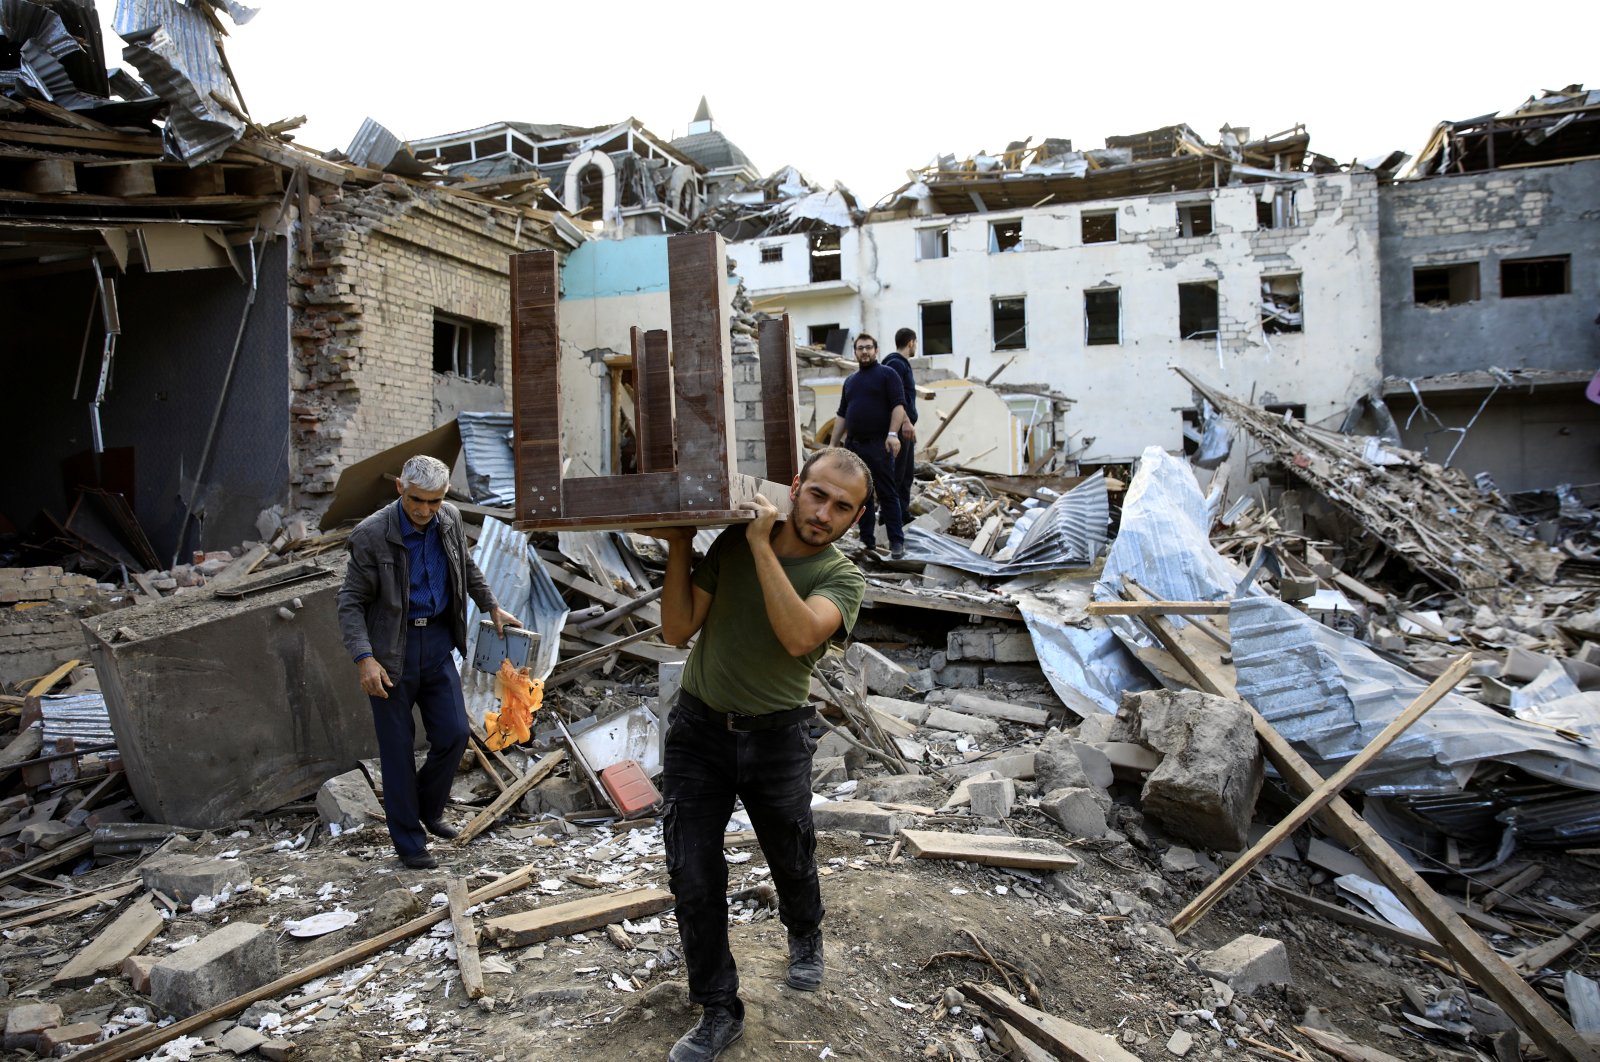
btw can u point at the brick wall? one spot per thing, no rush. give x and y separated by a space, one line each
42 584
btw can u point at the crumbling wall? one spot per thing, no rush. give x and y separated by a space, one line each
383 260
1125 396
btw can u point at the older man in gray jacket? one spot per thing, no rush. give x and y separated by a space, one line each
402 608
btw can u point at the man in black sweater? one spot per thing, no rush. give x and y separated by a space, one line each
905 465
871 419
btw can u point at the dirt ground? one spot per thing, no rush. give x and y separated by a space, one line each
901 935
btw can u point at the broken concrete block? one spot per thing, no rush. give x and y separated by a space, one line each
78 1034
879 674
1247 962
989 708
959 676
136 968
910 711
898 789
857 815
49 834
559 794
1129 762
241 1040
1019 765
276 1050
834 744
1078 810
183 877
1296 588
1095 728
962 796
969 643
1179 860
228 963
1205 789
1096 765
25 1023
994 798
1180 1043
1058 765
921 680
1013 647
828 770
347 800
960 723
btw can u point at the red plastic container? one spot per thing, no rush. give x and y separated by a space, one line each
630 788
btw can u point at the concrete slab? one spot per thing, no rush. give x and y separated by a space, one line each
348 800
993 798
1247 962
228 963
858 815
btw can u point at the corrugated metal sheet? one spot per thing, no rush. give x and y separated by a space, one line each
491 466
174 49
1069 533
523 587
79 716
597 553
1087 666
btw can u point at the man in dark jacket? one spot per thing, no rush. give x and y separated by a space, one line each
871 418
905 465
402 608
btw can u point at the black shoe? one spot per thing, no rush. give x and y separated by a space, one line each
897 552
805 962
718 1028
422 860
442 829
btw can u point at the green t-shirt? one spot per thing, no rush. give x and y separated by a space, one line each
737 664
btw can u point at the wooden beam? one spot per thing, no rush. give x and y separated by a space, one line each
48 682
1315 801
1026 852
127 935
996 608
74 848
1334 913
1060 1037
536 383
129 179
701 363
1158 608
504 802
559 573
1536 958
146 1038
576 916
780 415
198 181
652 389
47 912
466 939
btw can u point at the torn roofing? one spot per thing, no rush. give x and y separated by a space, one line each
175 49
1069 533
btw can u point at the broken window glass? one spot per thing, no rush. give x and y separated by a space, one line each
933 243
1194 219
462 347
1449 285
772 254
1102 316
1522 277
938 337
1010 323
1100 228
826 261
1005 236
1197 310
1280 304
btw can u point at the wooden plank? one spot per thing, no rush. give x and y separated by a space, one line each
632 644
701 368
1061 1037
1026 852
130 179
652 390
1531 1012
973 704
467 960
48 682
780 414
504 802
576 916
1536 958
1196 908
74 848
1583 1000
126 935
1525 877
1342 1047
536 384
1159 608
1344 915
605 496
146 1038
46 912
994 609
561 574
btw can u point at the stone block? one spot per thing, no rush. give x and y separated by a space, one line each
962 795
993 798
228 963
277 1050
1129 762
1078 810
183 877
828 770
960 723
1247 962
1013 647
1059 765
25 1023
136 968
1204 791
1096 765
920 681
990 708
910 711
879 674
1018 765
857 815
78 1034
562 795
898 789
969 643
241 1040
831 744
959 676
348 800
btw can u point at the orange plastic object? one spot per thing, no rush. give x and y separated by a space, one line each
630 788
520 697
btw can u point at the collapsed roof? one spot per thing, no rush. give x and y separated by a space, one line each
1552 127
783 201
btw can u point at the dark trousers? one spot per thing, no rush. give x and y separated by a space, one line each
705 767
885 493
905 467
412 796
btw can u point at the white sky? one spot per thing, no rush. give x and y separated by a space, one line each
862 92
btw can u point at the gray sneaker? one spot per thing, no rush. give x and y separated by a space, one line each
718 1027
805 962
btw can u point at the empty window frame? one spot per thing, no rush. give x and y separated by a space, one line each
1281 304
1275 208
933 243
1523 277
1102 317
1197 310
938 335
463 348
827 263
1194 219
1005 236
827 336
1447 285
1100 227
773 253
1010 319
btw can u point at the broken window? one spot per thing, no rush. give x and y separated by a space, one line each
817 335
827 263
1100 228
1102 316
1197 310
1265 216
938 337
772 254
933 243
463 348
1010 323
1521 277
1194 219
1449 285
591 189
1005 236
1280 304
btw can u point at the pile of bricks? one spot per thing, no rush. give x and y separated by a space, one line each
45 583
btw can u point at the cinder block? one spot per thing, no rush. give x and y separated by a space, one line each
348 800
1019 765
969 643
25 1023
230 962
184 877
857 815
959 676
959 723
1013 647
879 674
1077 809
994 798
1247 962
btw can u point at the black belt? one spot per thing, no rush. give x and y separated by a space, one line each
695 708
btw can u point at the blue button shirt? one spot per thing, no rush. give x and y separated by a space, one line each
430 574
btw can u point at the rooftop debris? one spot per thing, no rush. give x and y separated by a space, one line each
1550 127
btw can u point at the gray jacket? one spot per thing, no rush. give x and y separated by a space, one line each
377 586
